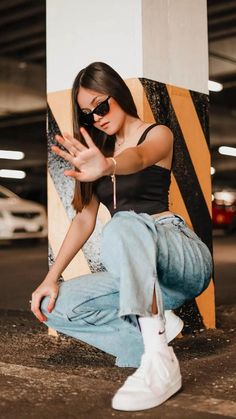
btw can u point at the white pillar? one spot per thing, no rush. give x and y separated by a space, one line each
160 48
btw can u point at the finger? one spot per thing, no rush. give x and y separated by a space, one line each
70 143
35 308
87 138
68 136
51 303
72 150
60 140
81 176
75 143
66 144
72 173
40 316
62 153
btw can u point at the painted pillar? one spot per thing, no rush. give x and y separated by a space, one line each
160 48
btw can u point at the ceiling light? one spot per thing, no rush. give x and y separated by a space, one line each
11 155
213 170
13 174
214 86
227 151
22 65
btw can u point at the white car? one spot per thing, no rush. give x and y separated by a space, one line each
20 218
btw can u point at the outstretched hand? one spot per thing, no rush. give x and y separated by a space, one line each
90 162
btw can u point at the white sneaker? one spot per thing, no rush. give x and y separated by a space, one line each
155 381
173 325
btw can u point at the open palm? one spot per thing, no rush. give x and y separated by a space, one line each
90 162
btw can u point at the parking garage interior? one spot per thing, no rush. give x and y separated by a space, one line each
23 129
31 355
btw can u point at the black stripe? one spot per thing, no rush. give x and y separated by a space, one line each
191 316
201 104
187 180
56 164
183 168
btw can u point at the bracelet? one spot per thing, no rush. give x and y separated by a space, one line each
113 179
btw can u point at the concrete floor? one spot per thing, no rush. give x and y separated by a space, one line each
59 378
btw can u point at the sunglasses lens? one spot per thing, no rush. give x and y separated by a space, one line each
86 119
102 109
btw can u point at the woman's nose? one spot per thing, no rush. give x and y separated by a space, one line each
97 117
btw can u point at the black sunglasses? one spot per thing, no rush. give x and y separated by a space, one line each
87 118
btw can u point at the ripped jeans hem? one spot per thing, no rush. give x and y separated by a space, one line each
126 364
126 312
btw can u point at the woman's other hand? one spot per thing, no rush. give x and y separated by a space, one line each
46 288
90 162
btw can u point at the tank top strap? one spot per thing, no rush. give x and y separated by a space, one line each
144 134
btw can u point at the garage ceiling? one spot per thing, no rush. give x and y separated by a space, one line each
23 30
222 50
23 39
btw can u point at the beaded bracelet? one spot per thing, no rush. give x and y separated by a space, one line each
113 179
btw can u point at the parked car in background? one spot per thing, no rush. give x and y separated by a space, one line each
224 210
20 218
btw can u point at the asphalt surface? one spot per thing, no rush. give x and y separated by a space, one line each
46 377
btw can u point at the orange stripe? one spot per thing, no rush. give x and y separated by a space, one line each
193 136
58 226
196 144
60 104
206 301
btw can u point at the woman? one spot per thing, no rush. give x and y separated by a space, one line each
153 260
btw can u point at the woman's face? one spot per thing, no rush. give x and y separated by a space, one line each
110 123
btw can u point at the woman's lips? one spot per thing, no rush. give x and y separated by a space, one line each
103 126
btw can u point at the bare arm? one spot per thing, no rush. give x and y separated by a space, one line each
155 148
92 164
80 230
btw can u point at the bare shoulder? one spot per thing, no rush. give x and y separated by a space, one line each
160 132
157 146
158 136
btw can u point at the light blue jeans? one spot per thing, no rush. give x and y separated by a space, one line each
141 255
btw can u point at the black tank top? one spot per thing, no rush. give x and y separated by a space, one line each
145 191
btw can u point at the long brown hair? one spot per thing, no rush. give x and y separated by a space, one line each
102 78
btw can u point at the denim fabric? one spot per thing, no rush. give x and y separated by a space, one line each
141 254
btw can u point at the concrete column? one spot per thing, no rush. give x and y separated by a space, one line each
160 48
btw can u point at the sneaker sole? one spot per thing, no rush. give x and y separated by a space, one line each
157 401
